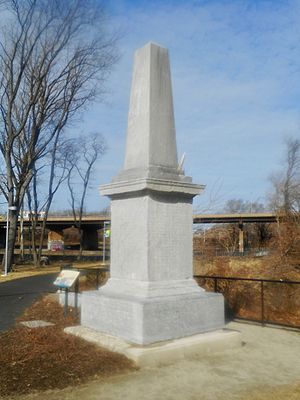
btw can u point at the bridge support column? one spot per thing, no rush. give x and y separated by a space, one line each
241 238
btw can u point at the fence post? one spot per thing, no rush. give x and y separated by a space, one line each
76 294
97 279
216 285
66 301
262 303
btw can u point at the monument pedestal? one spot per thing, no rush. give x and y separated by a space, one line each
151 295
148 320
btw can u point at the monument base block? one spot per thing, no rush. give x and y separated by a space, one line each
146 320
163 353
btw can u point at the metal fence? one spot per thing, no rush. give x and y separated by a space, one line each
253 252
261 300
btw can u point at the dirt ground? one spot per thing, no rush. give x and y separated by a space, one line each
43 358
266 367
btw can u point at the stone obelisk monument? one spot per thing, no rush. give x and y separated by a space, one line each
151 295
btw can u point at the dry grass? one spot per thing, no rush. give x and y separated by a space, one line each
29 270
287 392
26 270
46 358
245 267
243 298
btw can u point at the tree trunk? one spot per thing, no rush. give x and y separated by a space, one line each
43 231
22 234
33 241
12 232
81 243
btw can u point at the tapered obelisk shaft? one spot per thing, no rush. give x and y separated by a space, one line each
151 150
151 137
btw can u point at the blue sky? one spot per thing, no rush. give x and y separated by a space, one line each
236 86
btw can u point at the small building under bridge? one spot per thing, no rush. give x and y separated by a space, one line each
62 238
95 232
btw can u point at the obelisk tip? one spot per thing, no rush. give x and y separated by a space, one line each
151 139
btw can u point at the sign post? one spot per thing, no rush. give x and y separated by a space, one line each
106 234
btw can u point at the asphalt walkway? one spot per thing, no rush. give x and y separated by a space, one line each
18 294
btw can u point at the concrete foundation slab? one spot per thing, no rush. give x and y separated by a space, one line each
166 352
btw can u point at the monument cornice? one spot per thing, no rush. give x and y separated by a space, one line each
151 184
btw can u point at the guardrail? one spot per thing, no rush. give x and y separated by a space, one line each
269 301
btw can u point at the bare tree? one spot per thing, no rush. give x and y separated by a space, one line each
237 206
286 183
214 198
53 171
285 200
86 152
54 58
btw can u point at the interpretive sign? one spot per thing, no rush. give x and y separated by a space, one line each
66 278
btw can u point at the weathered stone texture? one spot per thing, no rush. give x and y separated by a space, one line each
151 295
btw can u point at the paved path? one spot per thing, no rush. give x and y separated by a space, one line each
18 294
267 366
